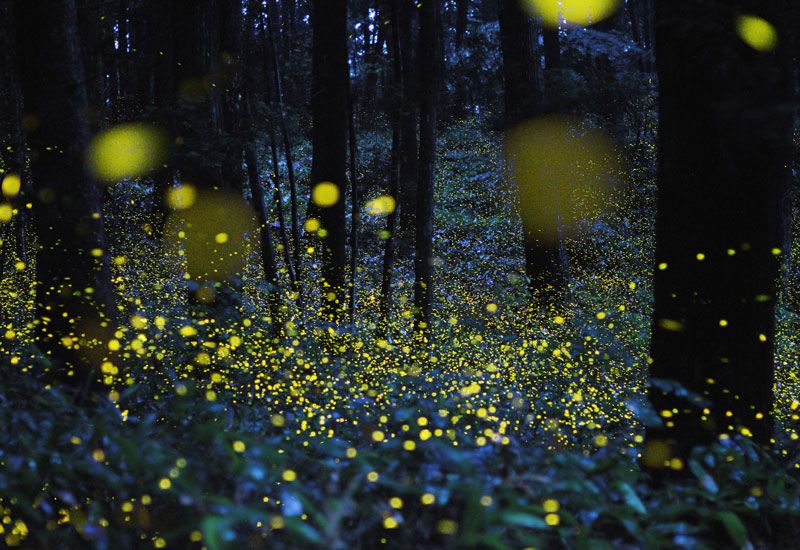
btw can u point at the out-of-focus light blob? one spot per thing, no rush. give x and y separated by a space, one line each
562 172
756 32
182 196
325 194
11 186
381 206
213 234
571 12
126 151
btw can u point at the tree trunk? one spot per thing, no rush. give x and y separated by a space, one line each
408 121
428 81
75 294
726 115
544 257
329 142
394 174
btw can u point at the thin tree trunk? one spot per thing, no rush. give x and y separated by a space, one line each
408 125
354 204
394 175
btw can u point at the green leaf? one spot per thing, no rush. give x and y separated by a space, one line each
734 526
521 519
632 499
704 477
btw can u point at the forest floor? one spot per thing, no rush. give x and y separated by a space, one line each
517 425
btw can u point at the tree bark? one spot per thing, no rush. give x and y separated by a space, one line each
394 174
726 115
544 258
408 122
329 142
428 81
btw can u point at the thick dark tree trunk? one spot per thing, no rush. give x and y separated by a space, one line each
423 245
408 120
544 257
329 142
75 294
725 114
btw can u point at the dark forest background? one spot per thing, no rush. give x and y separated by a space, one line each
457 273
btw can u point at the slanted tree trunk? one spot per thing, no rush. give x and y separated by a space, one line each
725 114
544 260
74 295
329 142
423 249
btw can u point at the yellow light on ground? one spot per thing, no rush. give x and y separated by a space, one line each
571 12
325 194
756 32
126 151
11 186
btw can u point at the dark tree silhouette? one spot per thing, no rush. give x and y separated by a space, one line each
428 86
74 298
724 141
409 119
329 141
544 258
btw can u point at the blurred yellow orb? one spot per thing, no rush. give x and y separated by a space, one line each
756 32
126 151
325 194
182 196
571 12
11 186
562 173
381 206
214 234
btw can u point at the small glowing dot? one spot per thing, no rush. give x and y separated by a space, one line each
289 475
